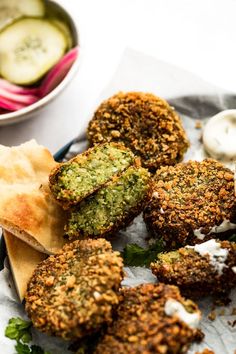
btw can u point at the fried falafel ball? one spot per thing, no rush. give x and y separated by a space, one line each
113 207
149 320
73 293
192 202
205 269
74 180
145 123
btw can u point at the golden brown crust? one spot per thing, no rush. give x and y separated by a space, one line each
73 293
145 123
194 274
190 196
141 325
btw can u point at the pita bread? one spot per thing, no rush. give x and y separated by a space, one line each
27 208
23 260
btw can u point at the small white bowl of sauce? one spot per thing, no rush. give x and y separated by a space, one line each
219 136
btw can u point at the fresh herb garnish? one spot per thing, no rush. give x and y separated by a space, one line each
22 348
135 255
20 330
35 349
26 349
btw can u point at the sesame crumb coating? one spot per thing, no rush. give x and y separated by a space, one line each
145 123
188 197
141 325
73 293
194 274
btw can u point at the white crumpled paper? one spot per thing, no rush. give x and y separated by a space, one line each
193 98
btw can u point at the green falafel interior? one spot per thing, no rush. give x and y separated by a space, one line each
114 206
76 179
169 257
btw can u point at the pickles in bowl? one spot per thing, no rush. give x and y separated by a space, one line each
39 49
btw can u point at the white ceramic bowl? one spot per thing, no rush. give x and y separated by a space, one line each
33 109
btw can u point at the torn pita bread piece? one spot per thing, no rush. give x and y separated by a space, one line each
23 260
27 207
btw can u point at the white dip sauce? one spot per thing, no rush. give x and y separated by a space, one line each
219 135
234 269
198 233
223 227
175 308
216 254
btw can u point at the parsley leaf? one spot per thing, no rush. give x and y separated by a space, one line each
135 255
26 349
22 348
19 329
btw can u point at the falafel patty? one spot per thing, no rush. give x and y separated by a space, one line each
72 181
148 321
113 207
145 123
205 269
73 293
192 202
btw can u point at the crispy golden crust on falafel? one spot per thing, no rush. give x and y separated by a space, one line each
145 123
74 180
142 326
73 293
195 274
189 201
113 207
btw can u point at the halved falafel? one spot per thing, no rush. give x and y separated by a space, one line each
192 202
74 180
201 270
73 293
145 123
148 320
113 207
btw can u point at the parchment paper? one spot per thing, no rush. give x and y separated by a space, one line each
194 99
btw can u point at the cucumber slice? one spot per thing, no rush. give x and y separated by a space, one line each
65 29
29 48
11 10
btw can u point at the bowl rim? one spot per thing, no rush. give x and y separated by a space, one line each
59 88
